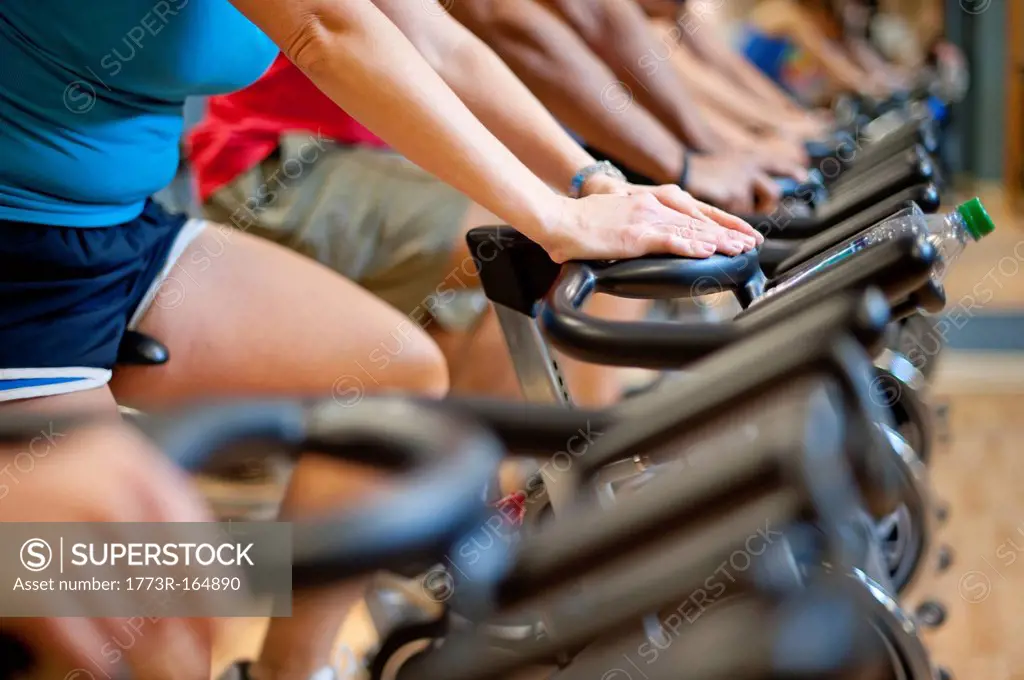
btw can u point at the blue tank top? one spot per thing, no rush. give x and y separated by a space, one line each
92 96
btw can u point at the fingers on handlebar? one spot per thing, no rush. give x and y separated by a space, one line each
732 222
672 241
729 234
788 169
766 193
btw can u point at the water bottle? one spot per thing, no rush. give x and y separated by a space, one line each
949 233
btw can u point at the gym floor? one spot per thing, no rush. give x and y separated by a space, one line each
975 472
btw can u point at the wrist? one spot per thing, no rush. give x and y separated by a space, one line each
551 232
590 172
696 171
542 222
603 184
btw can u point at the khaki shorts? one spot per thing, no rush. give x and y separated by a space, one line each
370 215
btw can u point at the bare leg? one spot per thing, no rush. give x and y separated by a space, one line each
253 318
28 472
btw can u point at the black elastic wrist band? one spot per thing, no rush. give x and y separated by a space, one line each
684 174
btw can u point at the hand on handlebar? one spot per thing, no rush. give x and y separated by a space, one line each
782 157
618 220
731 182
807 128
109 475
876 88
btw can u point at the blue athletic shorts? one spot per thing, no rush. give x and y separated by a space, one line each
67 296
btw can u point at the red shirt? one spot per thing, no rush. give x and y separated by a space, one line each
242 128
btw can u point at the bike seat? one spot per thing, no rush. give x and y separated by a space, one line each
139 349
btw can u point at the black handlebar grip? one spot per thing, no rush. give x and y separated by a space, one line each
195 437
782 255
905 171
514 271
660 276
447 464
644 344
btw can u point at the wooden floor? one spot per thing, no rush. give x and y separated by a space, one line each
978 471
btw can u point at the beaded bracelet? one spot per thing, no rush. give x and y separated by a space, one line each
602 167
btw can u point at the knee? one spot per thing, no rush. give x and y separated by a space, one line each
428 370
415 365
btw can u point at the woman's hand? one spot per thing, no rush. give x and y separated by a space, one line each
779 156
618 220
109 474
732 182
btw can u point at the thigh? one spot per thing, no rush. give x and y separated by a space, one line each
479 363
97 400
19 460
243 316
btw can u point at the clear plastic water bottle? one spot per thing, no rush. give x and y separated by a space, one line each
949 233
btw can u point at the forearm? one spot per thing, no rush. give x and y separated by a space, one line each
618 32
758 83
845 73
574 85
492 92
738 138
841 70
722 96
507 107
712 48
363 62
870 62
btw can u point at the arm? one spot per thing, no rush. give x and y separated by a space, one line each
709 46
617 31
840 69
661 9
573 83
722 95
871 62
486 85
358 58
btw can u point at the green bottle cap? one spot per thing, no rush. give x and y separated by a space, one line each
976 218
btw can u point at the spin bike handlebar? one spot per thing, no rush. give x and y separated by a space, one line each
904 171
643 344
801 242
782 229
657 276
898 267
445 464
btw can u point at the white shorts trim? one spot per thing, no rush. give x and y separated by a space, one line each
85 379
189 231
